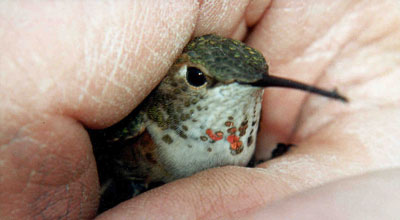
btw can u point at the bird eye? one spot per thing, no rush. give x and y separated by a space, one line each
195 77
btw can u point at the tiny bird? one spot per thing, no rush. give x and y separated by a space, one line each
205 113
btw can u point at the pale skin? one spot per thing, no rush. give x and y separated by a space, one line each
66 66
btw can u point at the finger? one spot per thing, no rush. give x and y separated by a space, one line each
233 192
217 193
368 196
48 170
227 18
65 63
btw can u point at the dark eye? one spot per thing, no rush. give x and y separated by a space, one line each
195 77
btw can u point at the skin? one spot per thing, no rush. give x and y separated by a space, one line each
60 74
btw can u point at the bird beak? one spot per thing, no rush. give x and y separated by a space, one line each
273 81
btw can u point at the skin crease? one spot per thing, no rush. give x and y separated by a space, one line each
94 70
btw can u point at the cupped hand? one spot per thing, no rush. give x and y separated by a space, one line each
70 65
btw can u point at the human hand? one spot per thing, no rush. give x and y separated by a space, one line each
65 73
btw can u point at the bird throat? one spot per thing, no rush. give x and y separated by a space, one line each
214 129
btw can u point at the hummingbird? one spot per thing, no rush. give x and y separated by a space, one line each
205 113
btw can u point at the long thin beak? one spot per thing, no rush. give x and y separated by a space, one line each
273 81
